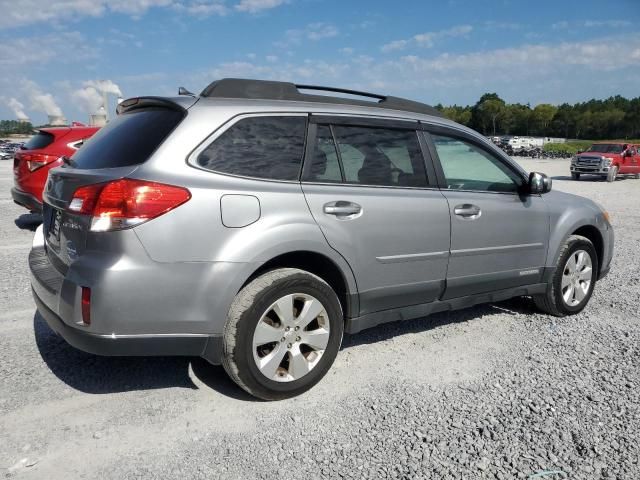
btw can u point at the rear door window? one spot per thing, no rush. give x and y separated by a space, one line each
38 141
129 139
324 166
370 156
269 147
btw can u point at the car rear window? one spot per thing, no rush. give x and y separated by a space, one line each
38 141
263 147
128 139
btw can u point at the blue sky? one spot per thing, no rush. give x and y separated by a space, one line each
57 55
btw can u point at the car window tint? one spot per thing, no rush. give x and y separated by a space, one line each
324 163
38 141
262 147
468 167
380 156
128 139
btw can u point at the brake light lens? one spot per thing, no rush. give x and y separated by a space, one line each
126 202
35 161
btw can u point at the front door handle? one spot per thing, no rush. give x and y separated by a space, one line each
467 211
341 208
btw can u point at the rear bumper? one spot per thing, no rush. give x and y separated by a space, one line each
26 200
132 345
48 292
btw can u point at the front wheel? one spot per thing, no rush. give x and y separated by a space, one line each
283 332
575 176
572 284
613 173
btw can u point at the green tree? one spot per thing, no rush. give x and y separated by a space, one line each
14 127
542 116
485 112
457 114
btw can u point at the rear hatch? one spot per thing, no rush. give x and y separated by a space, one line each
36 152
113 153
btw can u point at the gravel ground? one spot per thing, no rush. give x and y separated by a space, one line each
496 391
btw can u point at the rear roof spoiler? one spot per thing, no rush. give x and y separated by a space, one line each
137 103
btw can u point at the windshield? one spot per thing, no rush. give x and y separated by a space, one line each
606 148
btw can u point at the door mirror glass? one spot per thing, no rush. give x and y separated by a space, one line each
539 183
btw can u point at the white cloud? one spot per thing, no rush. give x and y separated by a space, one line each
562 25
131 7
427 39
16 107
578 24
607 23
88 98
202 8
41 101
313 31
318 31
493 25
40 50
255 6
27 12
535 72
395 45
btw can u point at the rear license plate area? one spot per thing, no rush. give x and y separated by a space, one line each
52 227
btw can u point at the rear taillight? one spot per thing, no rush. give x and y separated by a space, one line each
35 161
126 202
86 305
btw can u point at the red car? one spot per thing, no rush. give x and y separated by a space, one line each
44 151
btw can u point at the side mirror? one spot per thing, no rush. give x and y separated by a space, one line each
539 183
628 153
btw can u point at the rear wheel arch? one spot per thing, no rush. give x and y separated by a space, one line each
318 264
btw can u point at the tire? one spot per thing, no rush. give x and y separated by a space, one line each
553 301
613 173
575 176
258 313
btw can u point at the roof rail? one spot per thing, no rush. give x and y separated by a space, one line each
272 90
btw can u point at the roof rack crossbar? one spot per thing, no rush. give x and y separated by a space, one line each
271 90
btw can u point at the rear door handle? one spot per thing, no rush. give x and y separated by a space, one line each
467 211
341 208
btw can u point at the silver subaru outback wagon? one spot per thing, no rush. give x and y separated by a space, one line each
254 224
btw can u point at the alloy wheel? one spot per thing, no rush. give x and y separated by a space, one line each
576 278
291 337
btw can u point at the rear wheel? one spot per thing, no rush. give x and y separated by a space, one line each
613 173
573 281
575 176
282 334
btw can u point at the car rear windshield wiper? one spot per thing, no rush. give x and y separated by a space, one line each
68 161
